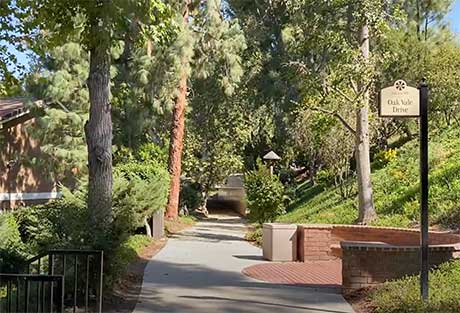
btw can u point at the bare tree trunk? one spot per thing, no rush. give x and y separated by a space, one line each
362 152
177 138
98 130
148 229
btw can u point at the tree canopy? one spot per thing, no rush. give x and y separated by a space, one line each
297 77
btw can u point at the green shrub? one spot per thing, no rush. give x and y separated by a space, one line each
141 184
144 169
139 190
264 195
59 223
255 235
403 295
325 177
384 157
12 249
287 176
64 223
145 153
150 151
190 195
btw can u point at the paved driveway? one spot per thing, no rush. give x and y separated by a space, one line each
199 271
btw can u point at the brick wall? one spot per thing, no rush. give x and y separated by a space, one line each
314 243
365 265
322 242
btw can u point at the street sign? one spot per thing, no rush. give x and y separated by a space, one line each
399 100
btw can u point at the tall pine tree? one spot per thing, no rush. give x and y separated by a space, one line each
104 22
59 78
203 36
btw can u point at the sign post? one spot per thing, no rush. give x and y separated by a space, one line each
400 100
424 189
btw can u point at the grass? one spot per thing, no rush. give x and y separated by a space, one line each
396 190
181 223
188 219
403 295
320 204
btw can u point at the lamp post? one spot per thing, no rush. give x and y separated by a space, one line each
271 158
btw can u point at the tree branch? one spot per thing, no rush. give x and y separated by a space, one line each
358 95
332 113
353 84
344 95
62 106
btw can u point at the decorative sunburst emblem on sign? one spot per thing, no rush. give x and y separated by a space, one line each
400 85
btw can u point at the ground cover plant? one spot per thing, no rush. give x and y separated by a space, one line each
396 189
403 295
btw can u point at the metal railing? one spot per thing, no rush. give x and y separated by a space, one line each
82 272
25 293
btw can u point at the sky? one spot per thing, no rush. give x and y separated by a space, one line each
453 18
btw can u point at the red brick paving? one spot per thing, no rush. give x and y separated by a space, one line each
319 274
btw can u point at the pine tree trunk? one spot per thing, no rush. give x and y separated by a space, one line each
177 137
362 150
175 149
98 130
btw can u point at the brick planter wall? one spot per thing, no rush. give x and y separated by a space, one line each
322 242
314 243
369 264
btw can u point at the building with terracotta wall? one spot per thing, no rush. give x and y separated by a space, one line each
20 182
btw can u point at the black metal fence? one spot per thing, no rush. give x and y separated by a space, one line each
25 293
82 272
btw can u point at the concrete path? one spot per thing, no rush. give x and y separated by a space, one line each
199 271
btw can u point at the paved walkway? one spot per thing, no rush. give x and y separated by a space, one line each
199 271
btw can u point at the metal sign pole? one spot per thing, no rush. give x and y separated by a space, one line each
424 264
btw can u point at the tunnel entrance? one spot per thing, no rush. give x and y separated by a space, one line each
229 197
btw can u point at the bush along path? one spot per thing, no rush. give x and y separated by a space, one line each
199 270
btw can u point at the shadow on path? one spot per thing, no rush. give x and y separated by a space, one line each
250 257
263 303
